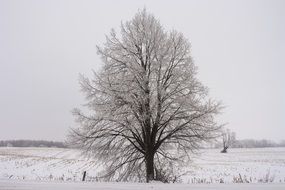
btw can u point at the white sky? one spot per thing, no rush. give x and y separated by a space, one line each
238 46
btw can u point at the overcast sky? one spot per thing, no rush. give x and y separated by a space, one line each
238 46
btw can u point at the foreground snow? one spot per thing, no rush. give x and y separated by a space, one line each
45 164
249 165
40 185
263 165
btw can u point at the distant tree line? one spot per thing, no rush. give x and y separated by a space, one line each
31 143
251 143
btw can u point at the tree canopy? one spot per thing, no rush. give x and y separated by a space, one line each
147 108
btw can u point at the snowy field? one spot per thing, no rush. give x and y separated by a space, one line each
44 185
45 164
65 166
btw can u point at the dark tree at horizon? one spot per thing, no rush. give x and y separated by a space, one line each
32 143
228 139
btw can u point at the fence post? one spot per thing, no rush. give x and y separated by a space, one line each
84 175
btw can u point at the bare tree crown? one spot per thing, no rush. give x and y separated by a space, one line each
147 106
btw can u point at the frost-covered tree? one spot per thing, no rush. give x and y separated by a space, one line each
228 139
147 108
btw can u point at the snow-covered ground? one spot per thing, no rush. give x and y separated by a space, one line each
249 165
45 164
55 164
44 185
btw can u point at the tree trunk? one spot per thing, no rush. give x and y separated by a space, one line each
224 150
149 161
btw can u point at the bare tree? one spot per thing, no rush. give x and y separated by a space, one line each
147 108
228 139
